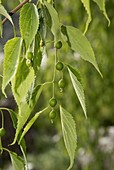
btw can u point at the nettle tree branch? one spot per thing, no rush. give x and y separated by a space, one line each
15 10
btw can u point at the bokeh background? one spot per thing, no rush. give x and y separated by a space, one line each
45 147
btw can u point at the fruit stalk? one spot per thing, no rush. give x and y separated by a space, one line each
55 60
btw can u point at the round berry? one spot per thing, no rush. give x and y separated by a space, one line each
30 55
42 43
28 62
52 114
58 45
59 66
62 83
52 102
2 132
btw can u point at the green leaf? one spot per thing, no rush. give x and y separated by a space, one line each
4 13
101 5
37 53
75 72
29 22
13 117
17 161
25 109
23 147
77 87
43 24
31 122
79 43
69 134
22 81
86 4
55 24
12 52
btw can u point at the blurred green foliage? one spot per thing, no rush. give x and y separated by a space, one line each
47 150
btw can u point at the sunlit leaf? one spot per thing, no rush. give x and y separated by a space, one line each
101 5
86 4
69 134
12 52
25 109
78 88
22 81
29 22
79 43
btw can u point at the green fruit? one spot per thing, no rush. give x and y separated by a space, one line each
30 55
58 45
52 102
2 132
42 43
62 83
52 114
29 63
59 66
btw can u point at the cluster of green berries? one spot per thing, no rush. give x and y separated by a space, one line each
29 60
61 83
52 103
59 67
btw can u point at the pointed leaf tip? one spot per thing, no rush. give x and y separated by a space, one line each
101 5
69 134
77 85
86 4
80 44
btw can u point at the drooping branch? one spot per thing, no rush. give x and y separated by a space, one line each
15 10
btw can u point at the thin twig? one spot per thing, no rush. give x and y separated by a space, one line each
15 10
